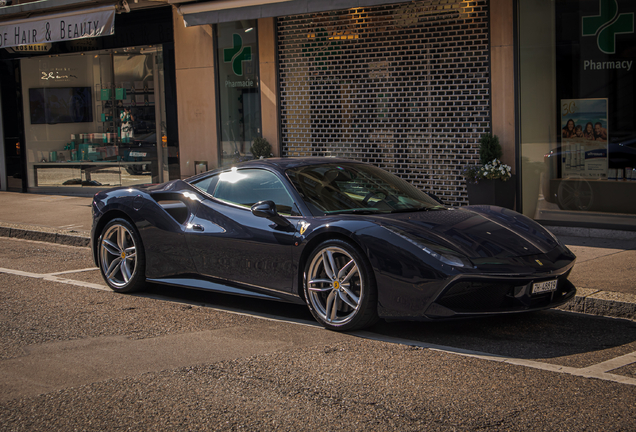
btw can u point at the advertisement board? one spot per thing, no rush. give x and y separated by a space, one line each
584 134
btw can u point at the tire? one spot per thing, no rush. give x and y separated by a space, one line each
340 287
122 261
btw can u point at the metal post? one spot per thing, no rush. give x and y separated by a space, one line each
162 157
3 162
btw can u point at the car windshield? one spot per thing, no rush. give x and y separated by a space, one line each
356 188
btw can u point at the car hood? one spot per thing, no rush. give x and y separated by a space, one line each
474 231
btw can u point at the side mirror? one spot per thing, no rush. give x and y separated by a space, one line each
267 210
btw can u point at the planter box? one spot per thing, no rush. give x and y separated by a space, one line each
492 192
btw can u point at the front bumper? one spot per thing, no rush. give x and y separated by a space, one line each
476 293
467 296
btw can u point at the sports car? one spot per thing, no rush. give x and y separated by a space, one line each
348 239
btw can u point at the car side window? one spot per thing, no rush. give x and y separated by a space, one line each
248 186
207 184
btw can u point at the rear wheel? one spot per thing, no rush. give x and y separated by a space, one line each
339 287
121 257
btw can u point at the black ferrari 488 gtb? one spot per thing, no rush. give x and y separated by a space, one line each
353 242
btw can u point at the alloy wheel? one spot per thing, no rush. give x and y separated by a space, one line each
118 254
335 285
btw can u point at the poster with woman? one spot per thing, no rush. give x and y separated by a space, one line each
584 136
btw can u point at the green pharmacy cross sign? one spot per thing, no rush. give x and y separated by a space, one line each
607 25
237 54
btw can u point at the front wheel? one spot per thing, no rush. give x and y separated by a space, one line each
121 257
340 287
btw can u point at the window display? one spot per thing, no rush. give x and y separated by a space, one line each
577 93
238 86
95 119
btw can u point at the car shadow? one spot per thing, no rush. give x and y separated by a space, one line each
534 335
230 302
547 334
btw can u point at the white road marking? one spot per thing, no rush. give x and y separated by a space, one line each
51 198
612 364
73 271
52 278
44 243
590 372
68 227
598 371
234 311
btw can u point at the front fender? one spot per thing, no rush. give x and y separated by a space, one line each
408 280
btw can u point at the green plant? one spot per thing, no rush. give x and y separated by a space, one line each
493 170
261 148
490 167
489 148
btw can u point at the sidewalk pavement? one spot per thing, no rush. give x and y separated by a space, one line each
604 273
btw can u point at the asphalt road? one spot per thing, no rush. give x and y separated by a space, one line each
76 356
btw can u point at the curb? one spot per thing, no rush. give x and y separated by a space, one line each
591 232
602 303
50 237
587 301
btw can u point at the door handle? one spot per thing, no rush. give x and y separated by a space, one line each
198 227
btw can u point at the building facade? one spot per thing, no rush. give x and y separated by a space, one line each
88 99
408 86
577 138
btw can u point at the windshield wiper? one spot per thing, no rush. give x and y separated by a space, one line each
352 211
417 209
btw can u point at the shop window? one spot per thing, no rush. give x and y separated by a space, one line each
95 119
577 93
240 104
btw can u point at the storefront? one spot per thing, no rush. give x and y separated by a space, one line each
92 112
404 85
411 87
577 93
239 95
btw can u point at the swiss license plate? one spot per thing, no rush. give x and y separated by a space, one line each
541 287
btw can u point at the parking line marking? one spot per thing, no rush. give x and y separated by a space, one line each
51 278
614 363
234 311
70 226
589 372
73 271
598 371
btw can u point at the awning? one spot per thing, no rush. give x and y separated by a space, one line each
63 26
214 12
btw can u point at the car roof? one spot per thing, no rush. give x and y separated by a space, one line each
280 164
294 162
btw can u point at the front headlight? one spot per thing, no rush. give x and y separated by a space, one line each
444 255
447 256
